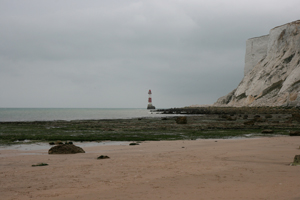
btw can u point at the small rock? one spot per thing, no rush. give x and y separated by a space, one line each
296 160
39 165
58 142
68 142
134 143
224 116
230 118
268 116
103 157
294 133
245 117
267 131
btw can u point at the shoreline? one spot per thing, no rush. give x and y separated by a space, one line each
41 146
206 126
192 169
69 114
45 146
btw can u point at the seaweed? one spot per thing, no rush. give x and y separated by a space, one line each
203 122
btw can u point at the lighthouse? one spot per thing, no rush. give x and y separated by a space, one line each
150 106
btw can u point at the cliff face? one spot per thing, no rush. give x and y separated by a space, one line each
272 70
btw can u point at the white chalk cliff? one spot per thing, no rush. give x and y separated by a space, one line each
271 72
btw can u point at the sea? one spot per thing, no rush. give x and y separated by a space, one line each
68 114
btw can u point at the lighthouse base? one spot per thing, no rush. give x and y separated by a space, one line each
150 106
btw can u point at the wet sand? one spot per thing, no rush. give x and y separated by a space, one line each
256 168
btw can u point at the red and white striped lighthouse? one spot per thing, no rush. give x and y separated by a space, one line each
149 98
150 106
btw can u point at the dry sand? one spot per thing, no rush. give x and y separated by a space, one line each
255 168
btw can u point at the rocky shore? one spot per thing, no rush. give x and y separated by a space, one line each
230 110
198 123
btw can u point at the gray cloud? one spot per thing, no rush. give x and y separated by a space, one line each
110 53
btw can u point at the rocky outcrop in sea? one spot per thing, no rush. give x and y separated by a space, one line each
271 72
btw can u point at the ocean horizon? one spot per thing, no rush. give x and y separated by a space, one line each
68 114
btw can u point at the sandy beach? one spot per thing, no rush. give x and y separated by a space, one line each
256 168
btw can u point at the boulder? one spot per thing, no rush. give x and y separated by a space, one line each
65 149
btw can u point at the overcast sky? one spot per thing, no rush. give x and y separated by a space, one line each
109 53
